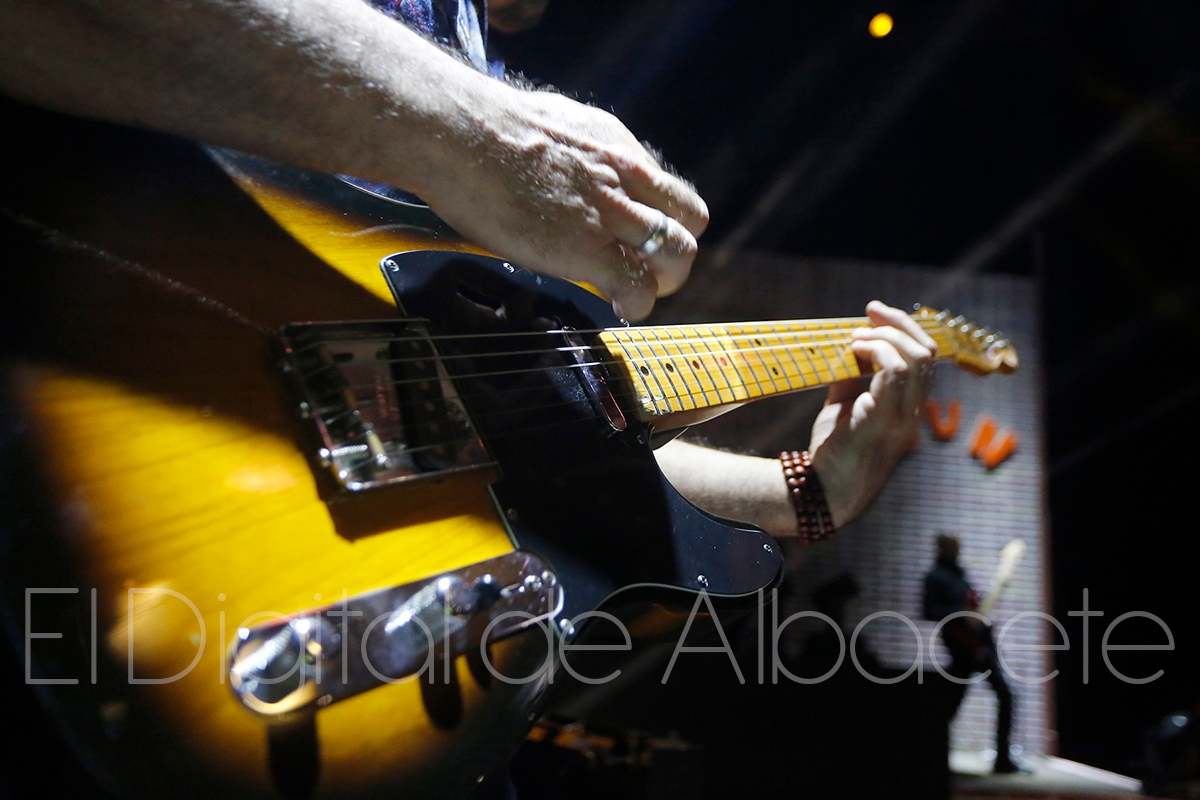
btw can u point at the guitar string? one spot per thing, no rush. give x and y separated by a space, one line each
690 392
641 360
619 391
785 346
812 346
842 324
525 408
693 340
540 426
923 321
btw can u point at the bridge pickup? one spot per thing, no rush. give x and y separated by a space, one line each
381 403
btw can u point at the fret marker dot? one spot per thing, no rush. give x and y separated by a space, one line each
723 361
669 367
774 370
695 365
644 369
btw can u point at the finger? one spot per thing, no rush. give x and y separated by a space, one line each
880 354
882 314
914 353
629 283
864 404
645 182
845 391
887 364
917 375
634 224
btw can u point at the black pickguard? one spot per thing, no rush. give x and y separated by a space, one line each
590 500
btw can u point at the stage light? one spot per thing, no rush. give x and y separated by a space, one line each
881 25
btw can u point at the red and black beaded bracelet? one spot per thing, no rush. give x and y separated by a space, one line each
814 523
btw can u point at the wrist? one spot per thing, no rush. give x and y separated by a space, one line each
814 522
430 135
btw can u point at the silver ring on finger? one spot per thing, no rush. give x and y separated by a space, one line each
656 239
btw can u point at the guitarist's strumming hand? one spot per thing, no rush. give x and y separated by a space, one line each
857 439
566 189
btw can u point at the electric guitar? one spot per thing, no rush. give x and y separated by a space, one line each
307 486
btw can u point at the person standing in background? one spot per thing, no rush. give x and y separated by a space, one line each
968 638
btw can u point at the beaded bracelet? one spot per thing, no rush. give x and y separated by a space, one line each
814 523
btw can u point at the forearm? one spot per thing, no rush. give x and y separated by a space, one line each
737 487
328 84
334 85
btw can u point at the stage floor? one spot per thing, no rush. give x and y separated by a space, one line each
1048 777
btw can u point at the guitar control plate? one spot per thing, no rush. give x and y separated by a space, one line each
327 654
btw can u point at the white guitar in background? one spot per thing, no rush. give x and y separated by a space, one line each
1010 557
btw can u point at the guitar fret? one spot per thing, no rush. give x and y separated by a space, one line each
655 366
758 351
824 338
698 373
788 350
831 352
743 364
665 362
807 357
704 363
643 372
813 347
839 350
708 337
686 368
821 347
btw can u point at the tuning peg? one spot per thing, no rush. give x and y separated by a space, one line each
941 315
980 333
954 323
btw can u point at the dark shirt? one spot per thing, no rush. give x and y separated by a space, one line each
947 591
455 24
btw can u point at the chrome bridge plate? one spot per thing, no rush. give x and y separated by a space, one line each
382 403
327 654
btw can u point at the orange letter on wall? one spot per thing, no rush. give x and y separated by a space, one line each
985 430
999 452
991 445
943 429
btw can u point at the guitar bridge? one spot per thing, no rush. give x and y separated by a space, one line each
381 402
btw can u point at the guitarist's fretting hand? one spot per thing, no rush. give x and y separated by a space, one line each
334 85
857 440
860 436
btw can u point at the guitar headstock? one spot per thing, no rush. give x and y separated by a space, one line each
975 349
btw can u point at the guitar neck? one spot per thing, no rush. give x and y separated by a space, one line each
690 369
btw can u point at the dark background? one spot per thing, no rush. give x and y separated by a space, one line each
1058 140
